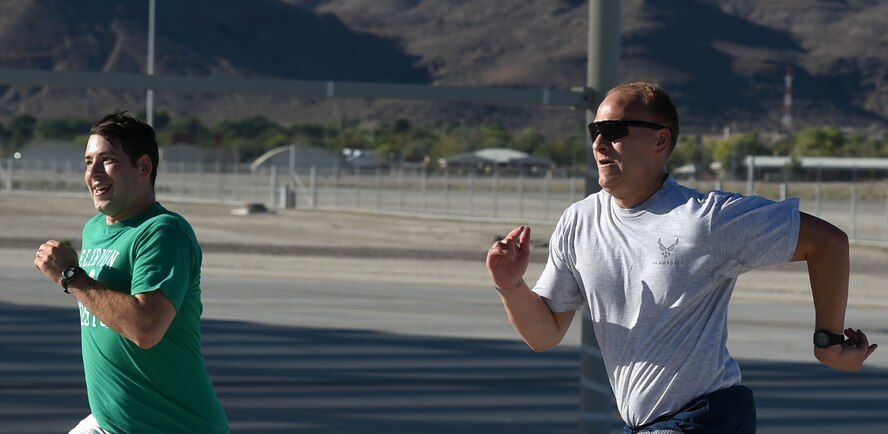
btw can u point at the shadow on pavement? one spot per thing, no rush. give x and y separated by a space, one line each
275 379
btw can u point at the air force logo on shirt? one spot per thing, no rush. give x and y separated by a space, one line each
668 252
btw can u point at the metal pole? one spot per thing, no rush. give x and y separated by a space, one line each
854 204
471 195
818 190
750 175
314 187
520 195
10 167
401 189
446 190
336 186
272 184
423 187
378 187
546 186
602 74
495 183
357 183
149 96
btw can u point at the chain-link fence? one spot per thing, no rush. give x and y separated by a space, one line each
860 207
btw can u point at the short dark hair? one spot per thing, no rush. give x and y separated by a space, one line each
655 99
135 137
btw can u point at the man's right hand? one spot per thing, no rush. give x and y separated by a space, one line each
507 259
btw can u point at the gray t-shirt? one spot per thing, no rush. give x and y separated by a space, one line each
657 279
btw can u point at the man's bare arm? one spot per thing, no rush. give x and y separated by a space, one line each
507 262
825 248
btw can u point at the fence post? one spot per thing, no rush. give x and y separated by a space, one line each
423 189
471 192
854 204
750 175
273 185
446 190
520 195
314 187
783 190
546 195
10 170
495 180
378 187
356 186
401 189
818 191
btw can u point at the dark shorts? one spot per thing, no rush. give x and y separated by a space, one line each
727 411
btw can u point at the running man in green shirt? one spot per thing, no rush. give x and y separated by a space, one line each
137 285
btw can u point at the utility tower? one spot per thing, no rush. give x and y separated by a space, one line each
786 122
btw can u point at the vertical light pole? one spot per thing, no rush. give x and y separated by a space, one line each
149 97
602 73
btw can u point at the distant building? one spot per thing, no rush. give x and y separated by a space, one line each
773 168
362 159
501 160
296 157
54 152
187 155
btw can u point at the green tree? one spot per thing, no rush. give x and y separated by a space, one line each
732 151
825 141
569 151
248 128
22 130
691 150
532 141
61 128
183 128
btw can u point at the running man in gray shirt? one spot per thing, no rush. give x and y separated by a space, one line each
656 263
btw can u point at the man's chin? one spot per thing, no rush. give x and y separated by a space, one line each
607 182
101 206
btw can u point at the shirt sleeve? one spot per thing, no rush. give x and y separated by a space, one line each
558 284
750 232
163 260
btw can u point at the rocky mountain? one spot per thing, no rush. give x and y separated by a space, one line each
723 60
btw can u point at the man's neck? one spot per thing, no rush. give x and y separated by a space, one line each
638 196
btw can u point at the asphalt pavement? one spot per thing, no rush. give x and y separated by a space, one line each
328 356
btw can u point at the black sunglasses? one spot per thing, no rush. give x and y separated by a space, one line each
616 130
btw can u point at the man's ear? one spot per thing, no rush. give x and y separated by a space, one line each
144 165
664 138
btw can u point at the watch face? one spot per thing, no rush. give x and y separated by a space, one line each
824 339
69 272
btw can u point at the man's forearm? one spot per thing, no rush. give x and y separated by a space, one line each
532 319
829 271
120 311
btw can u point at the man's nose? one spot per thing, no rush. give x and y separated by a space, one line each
600 142
94 169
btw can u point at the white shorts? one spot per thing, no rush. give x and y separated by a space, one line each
88 426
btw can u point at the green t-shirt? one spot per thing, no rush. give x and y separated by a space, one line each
165 389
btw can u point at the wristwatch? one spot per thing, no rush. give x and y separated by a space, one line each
825 339
70 274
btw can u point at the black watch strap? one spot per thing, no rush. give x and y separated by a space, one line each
70 274
825 339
